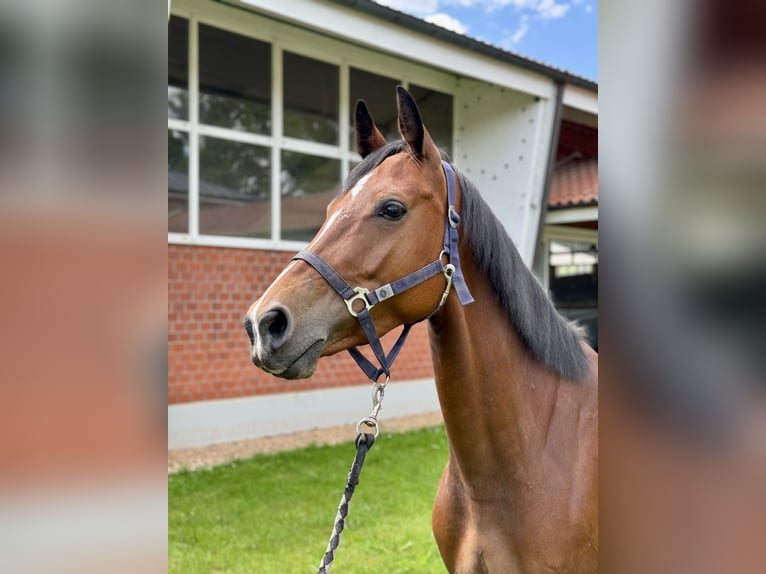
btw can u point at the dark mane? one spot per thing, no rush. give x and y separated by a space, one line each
551 338
548 336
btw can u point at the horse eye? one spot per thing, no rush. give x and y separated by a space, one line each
393 211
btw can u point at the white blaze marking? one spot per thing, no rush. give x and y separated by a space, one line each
324 229
359 185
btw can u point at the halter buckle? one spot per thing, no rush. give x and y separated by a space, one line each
361 295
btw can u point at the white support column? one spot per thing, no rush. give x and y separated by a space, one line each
501 143
193 127
344 125
277 111
541 150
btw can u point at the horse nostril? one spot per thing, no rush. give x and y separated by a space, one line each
274 328
249 329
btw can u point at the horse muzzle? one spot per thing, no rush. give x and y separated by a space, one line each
276 347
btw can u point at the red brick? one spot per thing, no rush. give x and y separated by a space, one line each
209 291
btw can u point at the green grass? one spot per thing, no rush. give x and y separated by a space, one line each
274 513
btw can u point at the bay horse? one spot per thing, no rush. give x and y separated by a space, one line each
517 385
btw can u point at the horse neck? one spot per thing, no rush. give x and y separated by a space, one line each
497 401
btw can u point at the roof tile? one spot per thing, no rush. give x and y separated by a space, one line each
574 184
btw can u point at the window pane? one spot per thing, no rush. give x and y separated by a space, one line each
308 185
311 95
573 278
436 112
234 188
379 93
178 68
235 81
570 258
178 181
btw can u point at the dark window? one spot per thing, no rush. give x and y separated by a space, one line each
234 188
573 280
235 81
311 99
178 181
379 93
235 88
436 113
178 68
308 185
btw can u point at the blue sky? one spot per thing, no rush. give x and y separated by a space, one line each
561 33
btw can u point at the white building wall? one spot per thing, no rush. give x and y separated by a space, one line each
502 138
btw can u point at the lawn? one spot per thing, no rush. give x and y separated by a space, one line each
274 513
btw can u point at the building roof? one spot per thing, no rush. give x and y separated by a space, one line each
418 25
574 183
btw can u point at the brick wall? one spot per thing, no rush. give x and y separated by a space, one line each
209 291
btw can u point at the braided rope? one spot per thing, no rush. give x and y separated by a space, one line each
364 443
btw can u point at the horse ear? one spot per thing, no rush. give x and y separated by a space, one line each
411 126
368 136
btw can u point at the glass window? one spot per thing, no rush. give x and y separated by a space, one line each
570 258
436 112
308 185
235 81
311 99
178 68
379 93
573 282
234 188
178 181
235 87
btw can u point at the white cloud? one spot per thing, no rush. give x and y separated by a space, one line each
521 31
589 8
544 9
550 9
491 5
529 10
447 21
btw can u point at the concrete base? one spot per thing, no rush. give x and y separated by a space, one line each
211 422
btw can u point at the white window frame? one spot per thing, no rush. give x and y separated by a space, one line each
561 233
281 37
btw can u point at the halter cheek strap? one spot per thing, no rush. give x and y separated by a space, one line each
451 239
360 296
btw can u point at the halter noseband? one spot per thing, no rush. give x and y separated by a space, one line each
452 274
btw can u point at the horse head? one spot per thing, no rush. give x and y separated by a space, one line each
387 222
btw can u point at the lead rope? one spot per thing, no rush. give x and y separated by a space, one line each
363 442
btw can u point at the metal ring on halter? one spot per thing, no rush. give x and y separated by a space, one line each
381 385
370 422
453 217
361 295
